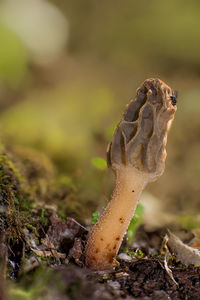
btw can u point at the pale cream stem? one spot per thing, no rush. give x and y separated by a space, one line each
107 234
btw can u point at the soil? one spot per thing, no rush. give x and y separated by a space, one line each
139 279
142 276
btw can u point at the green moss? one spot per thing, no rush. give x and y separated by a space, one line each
26 177
157 255
28 181
12 198
37 170
134 254
67 197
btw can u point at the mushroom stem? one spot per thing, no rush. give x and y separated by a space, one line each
107 234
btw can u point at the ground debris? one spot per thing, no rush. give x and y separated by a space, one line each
3 254
186 254
63 237
77 251
121 274
31 263
45 253
166 259
61 234
125 257
39 248
78 284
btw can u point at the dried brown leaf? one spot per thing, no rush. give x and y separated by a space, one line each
63 232
77 250
167 255
186 254
45 253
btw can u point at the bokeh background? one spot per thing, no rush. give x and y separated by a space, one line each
67 70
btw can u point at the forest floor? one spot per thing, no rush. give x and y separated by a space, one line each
42 254
54 269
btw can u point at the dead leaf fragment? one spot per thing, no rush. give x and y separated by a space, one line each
121 274
44 253
186 254
61 233
77 250
167 255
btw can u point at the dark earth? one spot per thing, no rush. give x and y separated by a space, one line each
139 278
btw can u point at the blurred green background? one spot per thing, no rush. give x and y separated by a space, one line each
67 70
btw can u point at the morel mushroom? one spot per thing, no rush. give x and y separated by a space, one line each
137 156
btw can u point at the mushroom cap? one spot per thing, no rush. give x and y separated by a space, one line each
140 138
